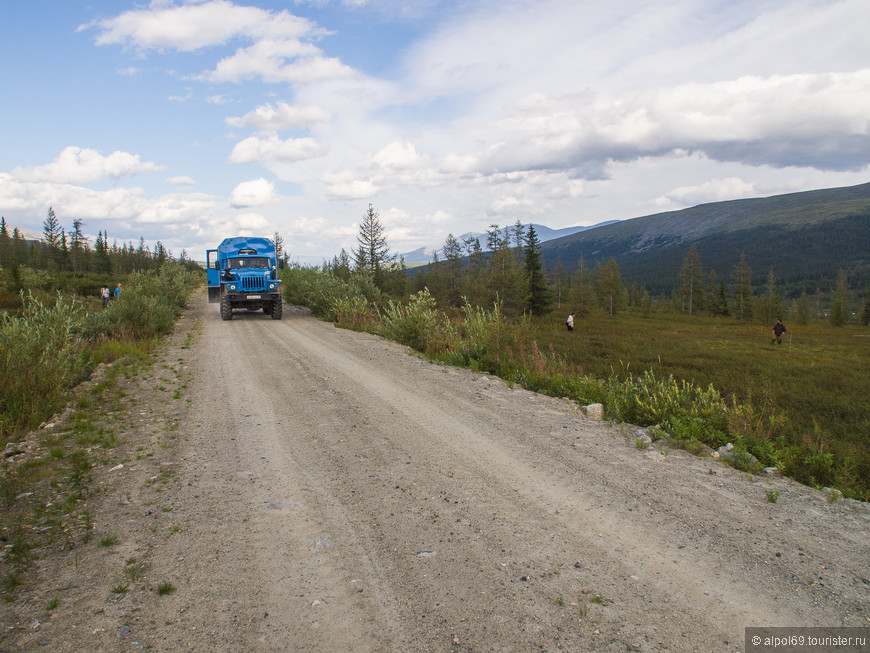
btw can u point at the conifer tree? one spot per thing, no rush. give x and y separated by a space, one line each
506 283
691 282
538 298
372 252
453 269
840 308
77 245
608 285
800 310
773 303
741 289
472 287
5 244
581 289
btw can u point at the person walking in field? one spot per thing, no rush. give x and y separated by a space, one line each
104 295
117 290
570 322
778 330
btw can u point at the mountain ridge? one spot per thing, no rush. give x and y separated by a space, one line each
805 237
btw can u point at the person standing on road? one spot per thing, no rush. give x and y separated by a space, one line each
778 330
570 322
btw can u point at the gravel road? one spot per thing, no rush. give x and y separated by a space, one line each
325 490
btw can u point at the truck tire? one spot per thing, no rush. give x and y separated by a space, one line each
226 308
277 309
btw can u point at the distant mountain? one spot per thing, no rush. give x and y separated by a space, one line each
805 238
27 234
425 254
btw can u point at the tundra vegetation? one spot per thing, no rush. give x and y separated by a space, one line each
54 332
700 364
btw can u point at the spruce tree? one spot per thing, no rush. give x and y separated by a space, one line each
539 298
372 252
5 244
453 269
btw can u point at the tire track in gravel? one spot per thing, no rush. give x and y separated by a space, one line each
377 502
641 555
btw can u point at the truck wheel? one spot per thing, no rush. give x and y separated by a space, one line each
277 309
226 308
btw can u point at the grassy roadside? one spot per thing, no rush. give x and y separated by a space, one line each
47 475
803 406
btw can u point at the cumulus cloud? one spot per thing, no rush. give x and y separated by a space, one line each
180 208
191 27
79 165
347 186
282 117
749 119
398 156
281 49
130 204
251 221
253 193
278 61
273 149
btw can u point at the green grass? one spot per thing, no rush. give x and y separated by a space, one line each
164 589
805 403
802 406
109 541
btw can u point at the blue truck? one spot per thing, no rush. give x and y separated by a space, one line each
243 273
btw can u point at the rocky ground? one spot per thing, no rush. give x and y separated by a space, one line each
292 486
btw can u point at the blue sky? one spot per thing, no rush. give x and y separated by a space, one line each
188 122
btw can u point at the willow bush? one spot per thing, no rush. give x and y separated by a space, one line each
52 346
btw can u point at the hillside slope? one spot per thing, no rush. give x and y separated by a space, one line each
804 237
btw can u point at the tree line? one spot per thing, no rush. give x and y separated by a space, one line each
511 272
62 256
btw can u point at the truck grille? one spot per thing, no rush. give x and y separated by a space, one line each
253 284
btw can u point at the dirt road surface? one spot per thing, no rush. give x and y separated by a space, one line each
315 489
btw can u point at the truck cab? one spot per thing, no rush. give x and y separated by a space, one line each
243 274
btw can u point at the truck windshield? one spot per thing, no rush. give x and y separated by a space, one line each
254 262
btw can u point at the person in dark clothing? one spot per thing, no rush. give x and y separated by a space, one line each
778 330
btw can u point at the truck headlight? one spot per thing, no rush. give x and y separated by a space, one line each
271 286
232 287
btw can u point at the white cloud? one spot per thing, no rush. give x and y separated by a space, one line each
273 149
715 190
181 180
398 156
188 208
280 52
253 221
194 26
278 61
253 193
282 117
345 186
79 165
